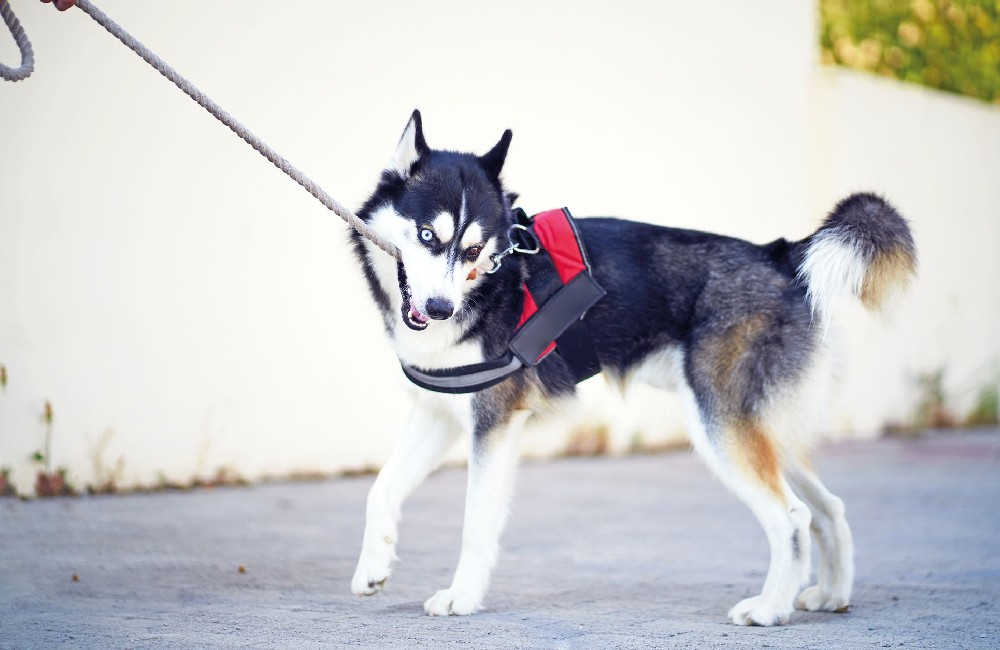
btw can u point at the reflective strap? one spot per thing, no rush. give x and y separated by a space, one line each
465 379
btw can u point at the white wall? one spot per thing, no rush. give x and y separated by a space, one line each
161 281
937 157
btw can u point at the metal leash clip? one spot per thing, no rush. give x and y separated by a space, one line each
515 232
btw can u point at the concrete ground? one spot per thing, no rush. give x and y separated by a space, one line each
640 552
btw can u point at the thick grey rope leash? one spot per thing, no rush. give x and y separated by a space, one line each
23 44
189 89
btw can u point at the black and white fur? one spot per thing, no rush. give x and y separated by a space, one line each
736 328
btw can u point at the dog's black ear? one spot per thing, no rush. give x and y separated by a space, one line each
410 148
492 161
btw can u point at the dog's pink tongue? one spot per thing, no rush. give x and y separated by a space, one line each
416 315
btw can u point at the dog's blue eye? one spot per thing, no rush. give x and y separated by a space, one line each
427 234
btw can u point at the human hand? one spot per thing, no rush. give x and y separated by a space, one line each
61 5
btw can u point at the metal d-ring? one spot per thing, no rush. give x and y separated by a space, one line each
514 247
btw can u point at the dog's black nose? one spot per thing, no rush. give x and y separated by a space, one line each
440 308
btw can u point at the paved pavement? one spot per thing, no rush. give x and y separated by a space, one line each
640 552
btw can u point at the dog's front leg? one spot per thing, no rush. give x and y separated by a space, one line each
492 466
429 433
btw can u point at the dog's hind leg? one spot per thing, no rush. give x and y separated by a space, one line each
492 468
746 460
429 433
832 591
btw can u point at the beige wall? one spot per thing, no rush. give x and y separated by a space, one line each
161 282
937 156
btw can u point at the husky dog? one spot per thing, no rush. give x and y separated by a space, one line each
736 328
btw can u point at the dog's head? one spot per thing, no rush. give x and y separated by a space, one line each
447 212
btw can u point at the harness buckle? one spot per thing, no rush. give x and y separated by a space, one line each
521 240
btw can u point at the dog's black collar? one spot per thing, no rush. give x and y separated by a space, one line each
559 291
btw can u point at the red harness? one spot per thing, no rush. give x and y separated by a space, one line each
558 238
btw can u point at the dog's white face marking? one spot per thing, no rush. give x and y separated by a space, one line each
472 236
391 225
444 227
435 267
430 276
463 214
468 272
439 345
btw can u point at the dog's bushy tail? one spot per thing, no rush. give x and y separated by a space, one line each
864 248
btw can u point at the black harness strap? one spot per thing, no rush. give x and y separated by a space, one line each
561 308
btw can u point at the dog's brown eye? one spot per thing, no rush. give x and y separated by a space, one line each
472 254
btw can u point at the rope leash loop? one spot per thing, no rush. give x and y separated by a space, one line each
205 102
23 44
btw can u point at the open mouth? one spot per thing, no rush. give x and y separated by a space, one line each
412 316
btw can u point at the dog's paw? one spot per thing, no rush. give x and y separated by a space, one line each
370 576
451 602
814 600
758 611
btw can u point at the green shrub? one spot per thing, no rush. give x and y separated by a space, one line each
953 45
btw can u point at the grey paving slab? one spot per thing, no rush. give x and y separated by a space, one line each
639 552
